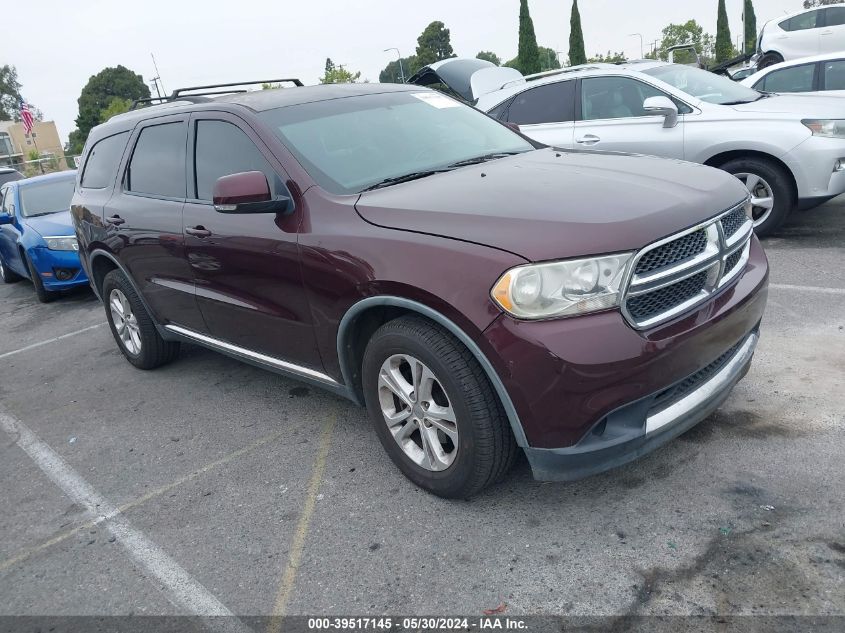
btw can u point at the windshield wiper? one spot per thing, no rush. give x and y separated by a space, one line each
763 95
395 180
483 159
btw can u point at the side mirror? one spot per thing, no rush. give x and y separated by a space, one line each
664 107
5 218
248 192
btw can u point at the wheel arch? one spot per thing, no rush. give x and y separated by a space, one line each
367 315
717 160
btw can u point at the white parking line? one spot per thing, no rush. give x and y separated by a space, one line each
178 586
821 289
51 340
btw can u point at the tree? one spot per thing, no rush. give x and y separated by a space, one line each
610 58
724 44
10 93
690 32
338 74
809 4
97 95
528 55
489 57
117 105
392 74
750 20
434 44
577 54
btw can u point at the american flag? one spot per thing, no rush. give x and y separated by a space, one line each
26 117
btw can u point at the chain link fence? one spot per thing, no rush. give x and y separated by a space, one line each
45 165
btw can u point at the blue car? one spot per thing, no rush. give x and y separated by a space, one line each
37 241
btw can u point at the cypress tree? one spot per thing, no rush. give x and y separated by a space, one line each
750 27
528 56
724 45
577 55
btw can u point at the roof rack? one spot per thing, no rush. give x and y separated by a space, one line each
207 91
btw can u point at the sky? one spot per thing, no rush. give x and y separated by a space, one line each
216 41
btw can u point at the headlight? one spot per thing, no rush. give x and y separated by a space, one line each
62 243
567 288
833 128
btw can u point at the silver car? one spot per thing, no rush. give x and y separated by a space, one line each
788 150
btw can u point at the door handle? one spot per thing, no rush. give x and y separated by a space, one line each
115 220
197 231
588 139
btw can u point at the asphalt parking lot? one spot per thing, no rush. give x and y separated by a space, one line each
226 487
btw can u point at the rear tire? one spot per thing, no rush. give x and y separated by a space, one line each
769 184
44 295
484 448
131 325
7 274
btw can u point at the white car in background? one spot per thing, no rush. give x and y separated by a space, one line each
788 150
820 73
810 32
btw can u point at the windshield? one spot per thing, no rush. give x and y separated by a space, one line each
705 85
46 197
9 176
348 145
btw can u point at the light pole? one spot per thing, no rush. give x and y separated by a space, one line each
640 35
557 54
399 55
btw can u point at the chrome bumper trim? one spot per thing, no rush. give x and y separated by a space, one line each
707 392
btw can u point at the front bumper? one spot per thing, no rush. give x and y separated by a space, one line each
812 164
53 265
638 428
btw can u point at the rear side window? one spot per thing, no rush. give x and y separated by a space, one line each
796 79
834 74
157 166
801 22
834 16
102 162
552 103
222 149
501 111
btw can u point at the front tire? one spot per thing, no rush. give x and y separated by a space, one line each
44 295
434 409
131 325
770 186
7 274
769 59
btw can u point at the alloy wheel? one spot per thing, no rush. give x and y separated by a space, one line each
762 196
418 412
125 323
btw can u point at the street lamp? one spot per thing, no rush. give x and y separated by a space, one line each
640 35
399 55
557 54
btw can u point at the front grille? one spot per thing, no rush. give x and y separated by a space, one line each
672 253
734 221
732 261
680 272
644 307
691 383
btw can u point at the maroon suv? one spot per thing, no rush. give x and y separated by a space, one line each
480 293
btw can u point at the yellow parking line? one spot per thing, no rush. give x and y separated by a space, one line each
141 500
298 543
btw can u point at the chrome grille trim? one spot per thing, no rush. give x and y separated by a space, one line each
720 250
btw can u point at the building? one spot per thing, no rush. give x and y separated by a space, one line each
16 145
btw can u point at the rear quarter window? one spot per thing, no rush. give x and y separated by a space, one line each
101 164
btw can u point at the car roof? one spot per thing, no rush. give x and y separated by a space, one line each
260 100
632 68
792 62
58 175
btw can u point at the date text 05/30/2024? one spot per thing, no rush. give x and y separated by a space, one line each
417 623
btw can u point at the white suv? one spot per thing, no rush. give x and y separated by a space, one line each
788 150
812 32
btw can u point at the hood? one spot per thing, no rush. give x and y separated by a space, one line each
554 204
469 78
51 225
811 105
